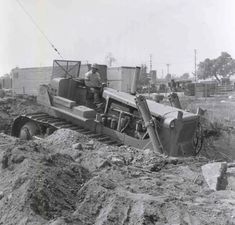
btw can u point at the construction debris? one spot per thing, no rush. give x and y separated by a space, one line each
215 175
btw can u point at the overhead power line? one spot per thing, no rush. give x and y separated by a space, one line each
38 27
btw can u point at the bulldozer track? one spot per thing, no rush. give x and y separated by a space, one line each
57 123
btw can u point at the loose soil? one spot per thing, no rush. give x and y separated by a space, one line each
11 107
51 182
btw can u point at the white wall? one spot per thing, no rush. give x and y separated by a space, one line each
28 80
6 82
114 78
120 78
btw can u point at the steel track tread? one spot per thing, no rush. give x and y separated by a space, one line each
111 142
65 126
38 115
87 132
52 120
76 129
94 135
34 114
45 118
105 138
58 123
81 130
73 127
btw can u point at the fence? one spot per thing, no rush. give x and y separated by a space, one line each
207 89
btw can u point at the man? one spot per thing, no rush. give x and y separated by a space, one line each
94 84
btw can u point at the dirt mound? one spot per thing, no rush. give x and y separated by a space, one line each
51 182
131 186
52 191
218 140
64 139
120 197
11 107
37 186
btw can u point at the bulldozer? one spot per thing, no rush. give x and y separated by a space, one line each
121 121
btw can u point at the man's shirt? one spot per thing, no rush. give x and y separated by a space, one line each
92 79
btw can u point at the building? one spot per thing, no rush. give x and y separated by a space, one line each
6 82
120 78
28 80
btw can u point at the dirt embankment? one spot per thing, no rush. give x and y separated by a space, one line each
68 179
53 182
36 186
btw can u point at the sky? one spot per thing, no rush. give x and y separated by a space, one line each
87 30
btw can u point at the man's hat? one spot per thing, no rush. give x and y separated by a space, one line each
95 66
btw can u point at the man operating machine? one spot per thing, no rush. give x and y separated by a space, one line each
94 85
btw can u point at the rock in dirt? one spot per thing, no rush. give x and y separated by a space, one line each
186 172
215 175
231 178
231 164
117 160
63 138
1 195
4 160
59 221
77 146
90 145
18 158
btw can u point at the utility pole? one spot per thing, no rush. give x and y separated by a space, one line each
150 69
168 68
195 64
150 62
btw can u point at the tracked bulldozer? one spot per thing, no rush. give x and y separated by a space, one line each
121 122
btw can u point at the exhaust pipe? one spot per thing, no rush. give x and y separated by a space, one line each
135 80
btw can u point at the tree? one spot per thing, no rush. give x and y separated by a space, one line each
205 69
223 66
109 58
168 77
185 76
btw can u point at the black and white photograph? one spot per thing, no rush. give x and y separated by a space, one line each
117 112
